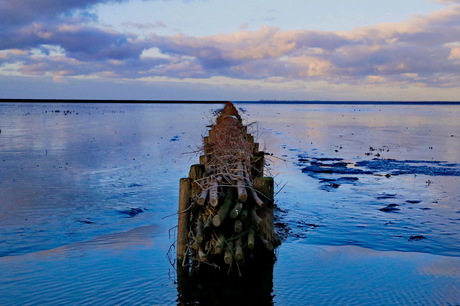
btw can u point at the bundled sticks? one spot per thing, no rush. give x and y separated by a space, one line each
226 205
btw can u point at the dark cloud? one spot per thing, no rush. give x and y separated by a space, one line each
28 24
24 12
80 42
92 44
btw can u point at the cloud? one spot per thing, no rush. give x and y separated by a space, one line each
447 1
79 42
145 26
24 12
60 38
28 24
420 46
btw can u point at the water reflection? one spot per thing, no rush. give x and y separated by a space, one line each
208 286
64 181
351 275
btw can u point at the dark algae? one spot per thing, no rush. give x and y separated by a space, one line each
398 167
417 238
132 212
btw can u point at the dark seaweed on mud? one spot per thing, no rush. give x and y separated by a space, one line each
396 167
378 166
332 173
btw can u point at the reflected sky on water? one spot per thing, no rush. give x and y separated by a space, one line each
89 195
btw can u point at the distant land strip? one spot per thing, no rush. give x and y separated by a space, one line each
4 100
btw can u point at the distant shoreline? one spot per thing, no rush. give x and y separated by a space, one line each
237 102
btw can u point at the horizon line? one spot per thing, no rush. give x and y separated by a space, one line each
274 101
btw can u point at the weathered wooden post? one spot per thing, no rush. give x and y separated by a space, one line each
183 219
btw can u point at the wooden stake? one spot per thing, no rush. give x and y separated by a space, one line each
266 186
224 209
251 239
213 198
239 250
228 257
241 188
256 217
212 135
183 218
203 196
220 244
236 210
257 199
258 162
207 145
199 226
238 226
196 173
204 159
250 138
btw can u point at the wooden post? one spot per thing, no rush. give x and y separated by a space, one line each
258 220
196 173
250 138
202 198
207 145
241 188
258 162
251 239
212 136
265 185
224 209
238 226
204 159
236 210
228 256
257 199
220 245
239 255
213 195
199 228
183 219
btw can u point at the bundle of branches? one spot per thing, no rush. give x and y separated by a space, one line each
232 203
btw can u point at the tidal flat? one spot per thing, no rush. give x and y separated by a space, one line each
367 198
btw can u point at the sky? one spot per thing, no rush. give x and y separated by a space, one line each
235 50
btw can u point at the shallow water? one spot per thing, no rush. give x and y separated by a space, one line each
88 196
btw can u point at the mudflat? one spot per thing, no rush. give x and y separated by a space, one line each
367 201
